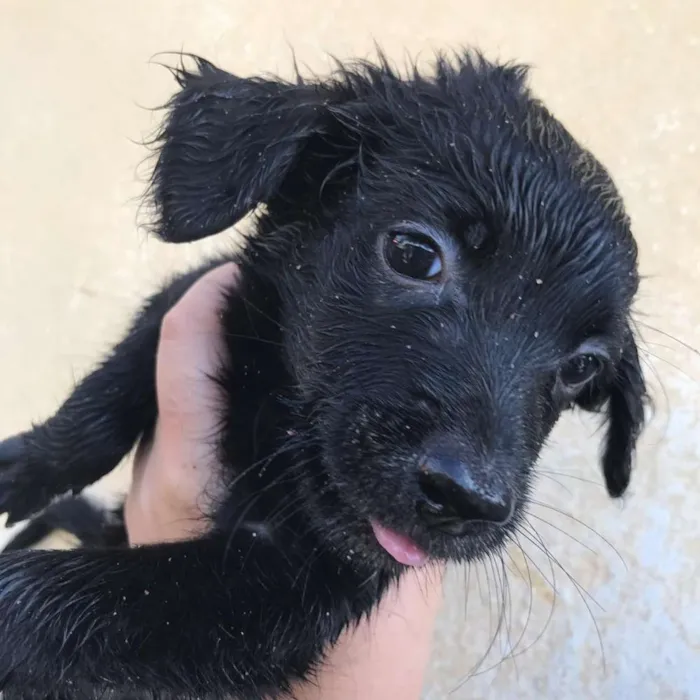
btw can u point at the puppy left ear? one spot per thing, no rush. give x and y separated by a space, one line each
625 399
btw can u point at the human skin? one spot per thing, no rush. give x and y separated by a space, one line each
385 656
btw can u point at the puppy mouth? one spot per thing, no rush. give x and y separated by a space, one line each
402 548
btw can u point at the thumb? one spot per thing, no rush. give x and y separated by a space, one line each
190 352
173 471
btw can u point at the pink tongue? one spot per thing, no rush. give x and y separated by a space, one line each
403 549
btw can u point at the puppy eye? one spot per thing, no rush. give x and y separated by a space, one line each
580 370
412 255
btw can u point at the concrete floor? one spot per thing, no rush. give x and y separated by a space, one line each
622 75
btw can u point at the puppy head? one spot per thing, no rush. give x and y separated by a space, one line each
455 271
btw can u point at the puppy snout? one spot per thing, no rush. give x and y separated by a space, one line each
453 498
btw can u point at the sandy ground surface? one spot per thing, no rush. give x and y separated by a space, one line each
622 75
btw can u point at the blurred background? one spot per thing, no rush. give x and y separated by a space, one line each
605 600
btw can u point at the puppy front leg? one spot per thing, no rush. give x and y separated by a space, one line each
184 619
97 425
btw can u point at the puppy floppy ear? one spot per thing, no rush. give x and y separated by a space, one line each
625 399
226 146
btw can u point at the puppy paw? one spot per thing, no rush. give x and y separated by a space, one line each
22 480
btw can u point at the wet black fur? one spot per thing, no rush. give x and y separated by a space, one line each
341 372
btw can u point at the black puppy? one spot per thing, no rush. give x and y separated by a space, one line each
438 272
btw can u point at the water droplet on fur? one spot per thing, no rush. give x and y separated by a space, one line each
538 281
536 334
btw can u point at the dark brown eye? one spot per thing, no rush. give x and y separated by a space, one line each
580 370
413 255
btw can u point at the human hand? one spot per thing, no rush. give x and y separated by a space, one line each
177 471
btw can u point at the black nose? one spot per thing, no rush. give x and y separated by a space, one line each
454 498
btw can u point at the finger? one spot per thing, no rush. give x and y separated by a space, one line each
181 458
191 351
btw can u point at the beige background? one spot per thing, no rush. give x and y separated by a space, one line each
624 76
